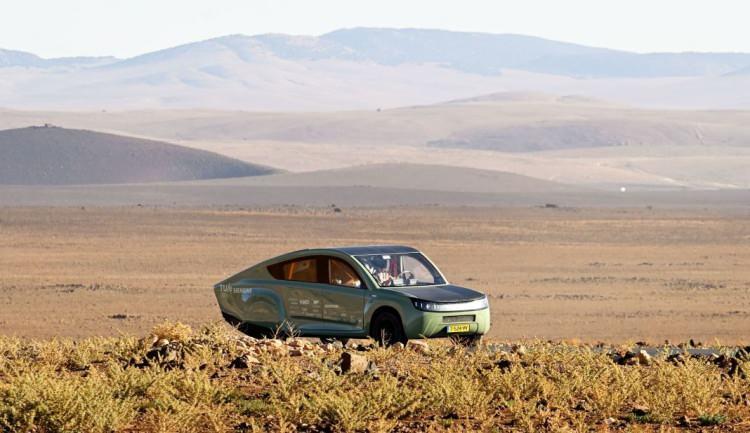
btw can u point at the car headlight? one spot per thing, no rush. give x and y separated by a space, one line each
478 304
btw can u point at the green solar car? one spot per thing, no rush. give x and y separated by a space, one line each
389 293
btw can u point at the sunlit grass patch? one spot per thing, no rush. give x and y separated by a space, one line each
106 385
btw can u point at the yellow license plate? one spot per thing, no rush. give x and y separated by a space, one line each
464 327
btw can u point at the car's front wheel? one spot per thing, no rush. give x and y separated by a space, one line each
387 329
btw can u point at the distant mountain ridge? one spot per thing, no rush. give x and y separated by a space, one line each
368 68
10 58
480 53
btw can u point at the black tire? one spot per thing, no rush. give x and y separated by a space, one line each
386 328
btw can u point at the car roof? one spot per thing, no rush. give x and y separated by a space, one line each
375 249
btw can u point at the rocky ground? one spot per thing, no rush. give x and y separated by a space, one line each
216 379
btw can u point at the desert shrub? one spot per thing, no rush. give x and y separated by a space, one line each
43 400
172 331
108 384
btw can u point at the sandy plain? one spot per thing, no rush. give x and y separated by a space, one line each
568 273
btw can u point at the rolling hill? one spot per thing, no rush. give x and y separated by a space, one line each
56 156
569 139
408 177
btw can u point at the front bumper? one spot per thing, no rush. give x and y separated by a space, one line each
423 324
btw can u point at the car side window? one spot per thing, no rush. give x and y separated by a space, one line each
341 274
305 270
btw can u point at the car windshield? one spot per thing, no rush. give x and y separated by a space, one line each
400 270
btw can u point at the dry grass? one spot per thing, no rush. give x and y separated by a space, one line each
97 385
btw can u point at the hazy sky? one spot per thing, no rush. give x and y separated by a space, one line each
53 28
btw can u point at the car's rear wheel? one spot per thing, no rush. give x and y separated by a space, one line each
387 329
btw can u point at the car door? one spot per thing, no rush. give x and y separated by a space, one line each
343 297
323 295
300 287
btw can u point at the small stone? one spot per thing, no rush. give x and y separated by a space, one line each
644 358
351 363
398 346
338 345
169 356
684 421
519 349
296 343
372 368
296 352
418 346
629 358
676 358
244 361
640 410
504 364
161 342
610 421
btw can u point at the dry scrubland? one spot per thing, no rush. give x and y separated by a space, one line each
616 275
592 274
214 380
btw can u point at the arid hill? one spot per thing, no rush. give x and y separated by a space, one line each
568 139
409 177
50 155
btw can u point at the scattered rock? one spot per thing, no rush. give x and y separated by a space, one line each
338 345
161 342
629 358
372 368
504 364
244 361
640 410
418 346
298 344
351 363
168 355
296 352
676 358
684 421
398 346
644 358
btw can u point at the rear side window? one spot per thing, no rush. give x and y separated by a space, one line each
296 270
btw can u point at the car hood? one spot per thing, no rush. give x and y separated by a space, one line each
444 293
